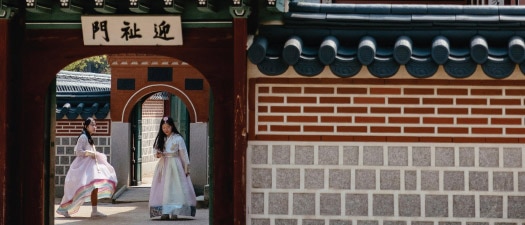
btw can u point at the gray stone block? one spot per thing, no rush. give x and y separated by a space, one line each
422 223
398 156
488 157
512 157
504 223
410 180
261 178
260 154
467 157
383 205
436 206
314 178
102 141
304 204
70 150
330 204
340 178
373 155
313 222
278 203
107 150
260 221
328 155
516 207
421 156
350 155
521 181
390 222
286 222
490 206
367 222
59 170
454 180
356 205
449 223
64 160
389 180
257 203
429 180
68 141
478 181
365 179
503 181
60 150
410 205
464 206
281 154
304 155
288 178
445 156
340 222
477 223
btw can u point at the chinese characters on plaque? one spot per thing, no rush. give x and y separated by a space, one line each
132 30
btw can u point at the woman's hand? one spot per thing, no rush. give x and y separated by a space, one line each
187 170
158 154
90 154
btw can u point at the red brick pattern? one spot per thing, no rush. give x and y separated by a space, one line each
74 127
153 108
420 112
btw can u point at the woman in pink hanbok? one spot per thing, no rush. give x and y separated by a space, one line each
90 176
172 192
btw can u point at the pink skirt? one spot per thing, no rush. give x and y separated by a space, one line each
86 174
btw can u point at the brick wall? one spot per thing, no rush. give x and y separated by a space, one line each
74 127
384 183
339 110
385 151
152 113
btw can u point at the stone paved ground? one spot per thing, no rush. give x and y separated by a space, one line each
134 213
130 208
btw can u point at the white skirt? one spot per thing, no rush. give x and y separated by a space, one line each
171 190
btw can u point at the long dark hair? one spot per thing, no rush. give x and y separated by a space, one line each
159 140
85 131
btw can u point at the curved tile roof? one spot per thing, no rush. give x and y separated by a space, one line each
82 94
382 37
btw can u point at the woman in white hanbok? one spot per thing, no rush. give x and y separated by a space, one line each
171 193
90 176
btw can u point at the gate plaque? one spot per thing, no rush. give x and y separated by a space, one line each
131 30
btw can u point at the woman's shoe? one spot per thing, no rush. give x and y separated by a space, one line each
98 214
174 217
165 217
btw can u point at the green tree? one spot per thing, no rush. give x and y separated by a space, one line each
94 64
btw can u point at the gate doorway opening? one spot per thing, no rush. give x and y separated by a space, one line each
143 119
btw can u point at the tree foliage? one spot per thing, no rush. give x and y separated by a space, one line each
94 64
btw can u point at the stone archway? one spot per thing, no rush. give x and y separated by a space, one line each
137 76
134 76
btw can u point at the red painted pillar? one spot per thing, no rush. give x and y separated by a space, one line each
10 185
240 123
4 45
